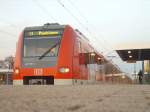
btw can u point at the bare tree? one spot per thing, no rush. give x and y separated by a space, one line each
10 61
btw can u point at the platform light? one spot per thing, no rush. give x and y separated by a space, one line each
129 52
130 56
64 70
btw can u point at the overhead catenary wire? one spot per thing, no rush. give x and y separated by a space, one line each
79 22
44 10
8 23
80 13
47 12
11 25
14 26
83 17
8 33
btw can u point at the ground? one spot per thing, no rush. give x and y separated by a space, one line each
81 98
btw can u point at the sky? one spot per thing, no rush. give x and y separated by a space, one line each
109 24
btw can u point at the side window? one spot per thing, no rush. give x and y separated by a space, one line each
86 56
81 55
80 47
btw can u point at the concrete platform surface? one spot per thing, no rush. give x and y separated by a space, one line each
84 98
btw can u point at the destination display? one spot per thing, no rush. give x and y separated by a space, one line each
42 33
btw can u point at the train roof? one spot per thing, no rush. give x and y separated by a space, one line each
48 26
54 26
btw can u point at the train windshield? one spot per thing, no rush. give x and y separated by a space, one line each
40 48
37 46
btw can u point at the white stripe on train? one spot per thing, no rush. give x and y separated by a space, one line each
58 82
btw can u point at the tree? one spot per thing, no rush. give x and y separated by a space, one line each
10 61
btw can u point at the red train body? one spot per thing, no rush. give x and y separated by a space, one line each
54 54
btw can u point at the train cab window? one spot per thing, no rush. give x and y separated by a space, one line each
40 50
35 47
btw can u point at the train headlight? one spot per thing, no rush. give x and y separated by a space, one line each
64 70
16 71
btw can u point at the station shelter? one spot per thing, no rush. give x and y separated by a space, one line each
133 55
6 76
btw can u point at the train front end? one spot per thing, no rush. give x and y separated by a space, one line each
38 56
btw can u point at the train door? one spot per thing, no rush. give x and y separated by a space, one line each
92 70
76 64
91 73
101 73
81 63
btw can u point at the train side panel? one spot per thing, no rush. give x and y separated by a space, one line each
17 65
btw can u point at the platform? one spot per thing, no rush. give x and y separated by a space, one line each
89 98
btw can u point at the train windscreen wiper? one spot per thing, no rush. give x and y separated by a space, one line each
45 53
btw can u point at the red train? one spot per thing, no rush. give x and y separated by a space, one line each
54 54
